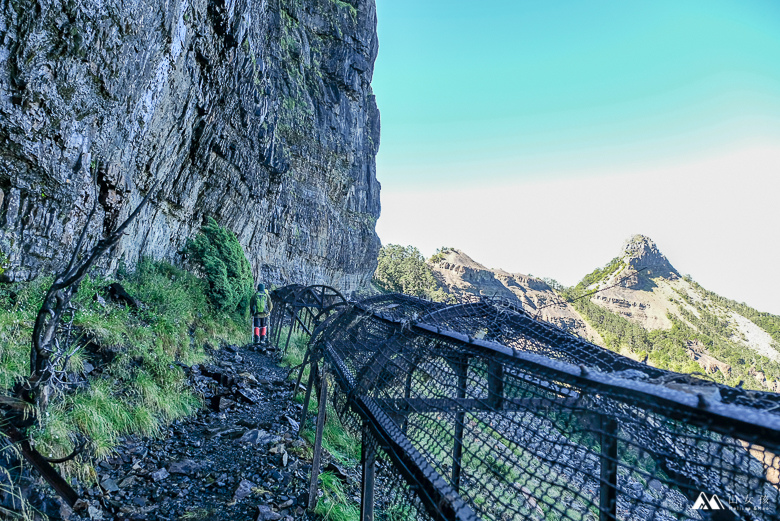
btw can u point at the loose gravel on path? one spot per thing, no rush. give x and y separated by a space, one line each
238 459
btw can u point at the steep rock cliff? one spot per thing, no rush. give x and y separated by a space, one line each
257 112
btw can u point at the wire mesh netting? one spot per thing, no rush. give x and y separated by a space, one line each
482 412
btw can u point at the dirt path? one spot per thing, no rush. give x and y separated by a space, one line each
237 460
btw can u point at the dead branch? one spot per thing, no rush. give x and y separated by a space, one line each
49 357
46 354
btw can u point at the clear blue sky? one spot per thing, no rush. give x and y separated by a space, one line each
563 127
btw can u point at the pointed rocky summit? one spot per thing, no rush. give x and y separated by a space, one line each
641 252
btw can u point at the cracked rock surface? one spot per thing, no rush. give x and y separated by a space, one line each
257 113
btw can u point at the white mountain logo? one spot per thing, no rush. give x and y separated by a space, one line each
708 503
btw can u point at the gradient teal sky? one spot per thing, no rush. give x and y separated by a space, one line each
512 96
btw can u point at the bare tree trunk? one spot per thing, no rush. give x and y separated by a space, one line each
46 354
49 355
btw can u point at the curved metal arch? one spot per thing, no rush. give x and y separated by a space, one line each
305 307
325 313
400 305
318 295
470 309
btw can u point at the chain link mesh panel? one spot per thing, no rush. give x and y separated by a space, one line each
482 412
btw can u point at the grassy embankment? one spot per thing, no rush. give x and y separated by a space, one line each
138 386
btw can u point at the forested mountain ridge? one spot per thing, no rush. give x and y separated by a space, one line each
637 304
644 308
460 275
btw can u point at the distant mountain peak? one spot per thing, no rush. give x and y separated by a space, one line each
456 257
640 252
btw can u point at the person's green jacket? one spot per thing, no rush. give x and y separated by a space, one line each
261 304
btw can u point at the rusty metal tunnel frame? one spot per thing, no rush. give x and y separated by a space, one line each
380 429
305 307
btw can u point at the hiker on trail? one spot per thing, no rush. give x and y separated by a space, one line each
260 307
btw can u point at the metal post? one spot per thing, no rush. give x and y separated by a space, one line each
408 390
310 319
407 395
368 460
495 384
289 331
300 373
462 369
315 464
307 399
277 317
609 463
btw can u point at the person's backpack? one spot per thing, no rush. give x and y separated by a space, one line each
261 302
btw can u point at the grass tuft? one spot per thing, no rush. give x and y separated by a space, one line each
334 504
139 386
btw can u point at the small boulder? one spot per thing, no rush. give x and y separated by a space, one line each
247 395
127 482
264 513
257 437
94 513
293 423
100 300
220 403
159 474
185 467
109 485
244 489
337 471
117 293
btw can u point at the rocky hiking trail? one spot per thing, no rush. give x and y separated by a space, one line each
238 459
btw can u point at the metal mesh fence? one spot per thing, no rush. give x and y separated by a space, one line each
482 412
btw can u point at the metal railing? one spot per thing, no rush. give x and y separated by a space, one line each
484 412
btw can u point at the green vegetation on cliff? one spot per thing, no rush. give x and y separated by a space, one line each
131 357
766 321
218 253
440 255
600 274
669 349
403 269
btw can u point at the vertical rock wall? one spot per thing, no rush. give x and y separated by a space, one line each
259 113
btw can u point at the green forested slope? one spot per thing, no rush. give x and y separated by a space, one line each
667 349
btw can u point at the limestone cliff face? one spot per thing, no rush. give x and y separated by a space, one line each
259 113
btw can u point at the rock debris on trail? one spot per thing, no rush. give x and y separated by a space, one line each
238 459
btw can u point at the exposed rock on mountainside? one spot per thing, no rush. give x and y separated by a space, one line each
460 275
641 253
259 113
709 363
643 287
647 285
